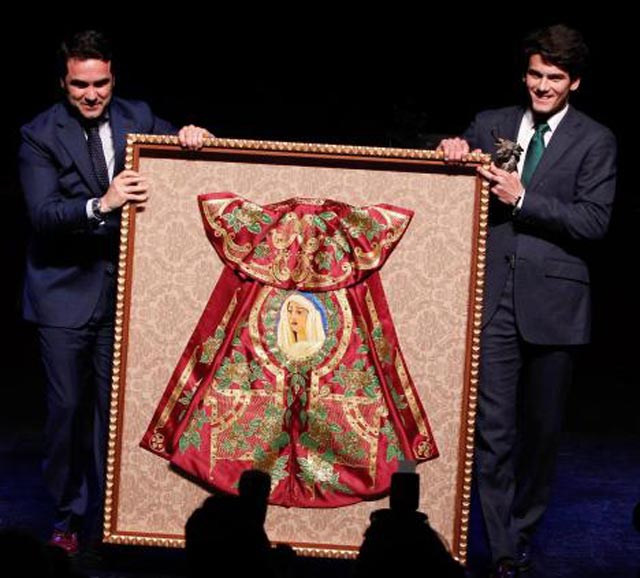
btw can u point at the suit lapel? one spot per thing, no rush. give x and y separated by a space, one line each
561 140
121 125
73 139
511 123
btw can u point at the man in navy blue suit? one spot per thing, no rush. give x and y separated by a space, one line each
543 220
71 168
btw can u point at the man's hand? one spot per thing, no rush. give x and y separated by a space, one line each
128 186
192 137
506 186
454 149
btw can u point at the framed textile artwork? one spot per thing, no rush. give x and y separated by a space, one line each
309 310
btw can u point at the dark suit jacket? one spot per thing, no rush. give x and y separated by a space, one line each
567 206
68 255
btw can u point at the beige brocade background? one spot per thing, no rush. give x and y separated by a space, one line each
175 269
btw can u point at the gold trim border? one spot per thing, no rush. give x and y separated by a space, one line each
112 536
471 401
297 147
336 552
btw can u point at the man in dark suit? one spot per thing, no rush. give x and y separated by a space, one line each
71 168
544 218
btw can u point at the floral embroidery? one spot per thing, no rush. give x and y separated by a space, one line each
248 215
302 377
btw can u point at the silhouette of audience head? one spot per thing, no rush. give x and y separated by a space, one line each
399 539
226 535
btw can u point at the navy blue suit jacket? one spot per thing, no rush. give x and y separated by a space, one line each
68 255
567 205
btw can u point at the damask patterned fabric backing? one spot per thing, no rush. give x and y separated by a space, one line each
427 285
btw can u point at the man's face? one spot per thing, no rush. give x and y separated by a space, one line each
549 86
89 86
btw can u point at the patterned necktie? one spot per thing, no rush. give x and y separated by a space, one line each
96 153
535 151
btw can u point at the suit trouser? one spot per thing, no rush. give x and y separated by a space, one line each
77 366
522 393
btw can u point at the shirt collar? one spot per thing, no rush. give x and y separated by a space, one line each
553 121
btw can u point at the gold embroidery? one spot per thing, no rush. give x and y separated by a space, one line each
235 404
383 347
254 333
307 233
371 259
356 379
359 222
320 470
177 391
370 432
424 449
409 396
357 420
394 231
247 216
212 344
347 329
157 442
213 209
303 230
207 351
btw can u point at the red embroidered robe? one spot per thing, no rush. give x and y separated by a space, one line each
294 367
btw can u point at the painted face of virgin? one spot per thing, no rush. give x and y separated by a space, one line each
297 320
549 87
88 85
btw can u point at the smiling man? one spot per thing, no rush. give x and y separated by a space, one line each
88 85
543 221
71 169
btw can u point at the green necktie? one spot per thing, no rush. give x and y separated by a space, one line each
535 150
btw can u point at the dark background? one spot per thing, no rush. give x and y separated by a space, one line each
318 73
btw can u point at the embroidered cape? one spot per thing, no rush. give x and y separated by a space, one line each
294 367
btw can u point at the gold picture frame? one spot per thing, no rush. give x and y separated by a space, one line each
167 269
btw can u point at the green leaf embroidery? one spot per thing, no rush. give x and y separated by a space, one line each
318 222
398 399
281 441
261 250
189 438
323 259
308 442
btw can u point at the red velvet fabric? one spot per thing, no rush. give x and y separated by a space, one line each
295 367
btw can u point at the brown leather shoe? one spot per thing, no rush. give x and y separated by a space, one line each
68 541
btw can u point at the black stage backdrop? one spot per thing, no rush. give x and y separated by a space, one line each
314 73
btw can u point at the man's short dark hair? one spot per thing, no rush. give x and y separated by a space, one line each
559 45
85 45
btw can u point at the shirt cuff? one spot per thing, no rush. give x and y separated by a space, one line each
91 215
518 205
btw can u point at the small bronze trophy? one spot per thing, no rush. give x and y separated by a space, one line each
507 153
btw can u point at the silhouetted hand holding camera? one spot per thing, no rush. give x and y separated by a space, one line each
400 539
226 536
